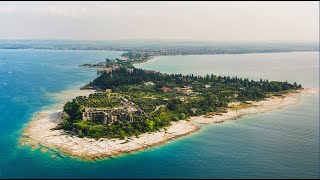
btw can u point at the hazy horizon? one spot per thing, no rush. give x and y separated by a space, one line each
164 40
161 21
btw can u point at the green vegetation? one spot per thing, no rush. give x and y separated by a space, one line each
111 63
73 110
136 56
184 96
98 100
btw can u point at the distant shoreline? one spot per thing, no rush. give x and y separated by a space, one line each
38 132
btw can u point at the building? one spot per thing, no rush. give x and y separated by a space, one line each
123 114
109 116
207 86
104 70
165 89
185 91
149 71
115 66
130 70
149 83
176 89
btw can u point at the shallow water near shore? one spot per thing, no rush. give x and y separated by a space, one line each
282 143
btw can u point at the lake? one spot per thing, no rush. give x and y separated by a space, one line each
283 143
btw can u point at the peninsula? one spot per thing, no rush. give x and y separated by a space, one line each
126 109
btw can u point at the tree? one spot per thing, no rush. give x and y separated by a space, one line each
149 124
182 116
74 110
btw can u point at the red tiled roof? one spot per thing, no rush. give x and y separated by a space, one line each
166 89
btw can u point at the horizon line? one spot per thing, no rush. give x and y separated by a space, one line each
161 40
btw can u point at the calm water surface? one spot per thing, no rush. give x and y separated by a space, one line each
283 143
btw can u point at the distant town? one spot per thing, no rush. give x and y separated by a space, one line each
143 49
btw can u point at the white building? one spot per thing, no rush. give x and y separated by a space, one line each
149 83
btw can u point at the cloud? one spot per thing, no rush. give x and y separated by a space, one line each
95 10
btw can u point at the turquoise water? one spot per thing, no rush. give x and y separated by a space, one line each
283 143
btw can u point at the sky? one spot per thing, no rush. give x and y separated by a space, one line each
198 21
